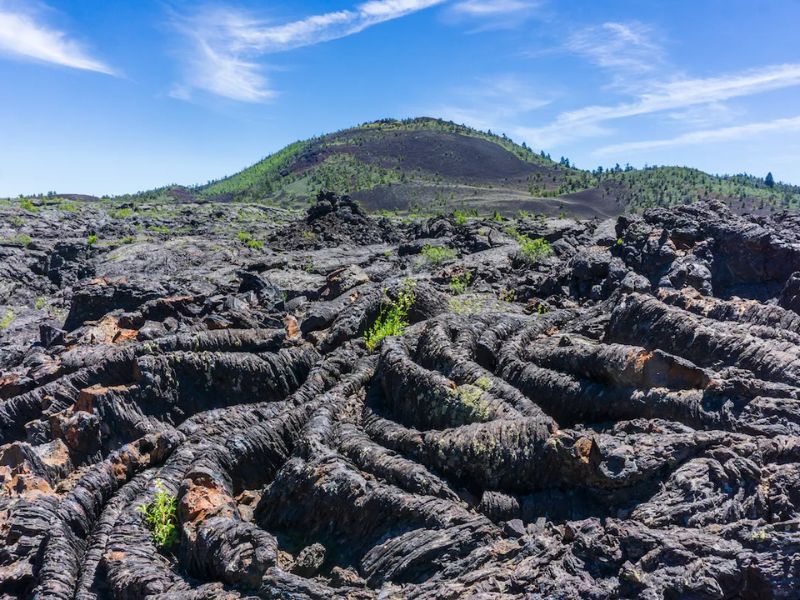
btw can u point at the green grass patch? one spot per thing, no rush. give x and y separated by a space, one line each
67 206
247 239
91 240
39 304
26 205
21 239
466 305
121 213
436 255
7 319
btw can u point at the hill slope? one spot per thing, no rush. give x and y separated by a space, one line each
429 165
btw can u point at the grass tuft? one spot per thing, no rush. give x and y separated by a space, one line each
248 240
22 239
460 283
436 255
393 318
122 213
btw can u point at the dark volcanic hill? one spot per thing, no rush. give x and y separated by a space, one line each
428 165
223 401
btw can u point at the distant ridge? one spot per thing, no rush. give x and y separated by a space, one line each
428 164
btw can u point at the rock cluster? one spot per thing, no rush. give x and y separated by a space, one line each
333 221
619 418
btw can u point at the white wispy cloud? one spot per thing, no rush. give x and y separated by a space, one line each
625 47
706 136
484 15
226 44
711 114
491 8
22 37
491 103
586 122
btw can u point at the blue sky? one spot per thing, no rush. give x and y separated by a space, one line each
112 96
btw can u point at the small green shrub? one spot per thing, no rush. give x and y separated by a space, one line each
247 239
460 283
22 239
67 206
91 240
162 229
128 239
436 255
392 320
534 250
619 241
39 304
122 213
7 319
27 205
160 516
460 217
507 295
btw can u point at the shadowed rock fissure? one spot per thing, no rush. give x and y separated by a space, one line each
619 419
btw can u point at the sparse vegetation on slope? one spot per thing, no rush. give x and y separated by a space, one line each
432 164
259 181
427 166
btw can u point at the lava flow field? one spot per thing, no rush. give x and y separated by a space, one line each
613 414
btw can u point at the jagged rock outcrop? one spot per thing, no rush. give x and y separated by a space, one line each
617 419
